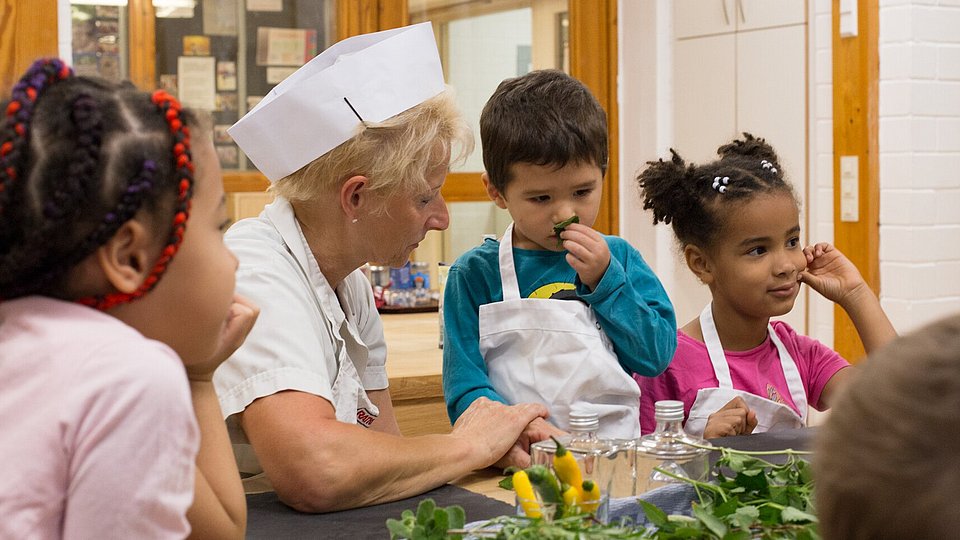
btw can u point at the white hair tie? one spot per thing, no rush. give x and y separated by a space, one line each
720 183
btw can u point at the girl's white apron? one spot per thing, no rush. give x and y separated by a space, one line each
771 415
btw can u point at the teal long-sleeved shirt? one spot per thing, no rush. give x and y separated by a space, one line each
629 302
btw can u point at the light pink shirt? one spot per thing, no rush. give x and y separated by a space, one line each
98 438
757 371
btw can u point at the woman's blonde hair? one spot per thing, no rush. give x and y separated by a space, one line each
394 155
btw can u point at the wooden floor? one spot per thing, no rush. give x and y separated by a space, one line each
414 363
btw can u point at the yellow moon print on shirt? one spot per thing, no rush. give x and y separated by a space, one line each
557 290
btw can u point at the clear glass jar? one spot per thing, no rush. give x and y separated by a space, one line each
608 463
669 448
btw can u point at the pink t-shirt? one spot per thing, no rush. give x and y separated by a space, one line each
757 371
98 438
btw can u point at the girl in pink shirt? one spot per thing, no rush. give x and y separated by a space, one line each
112 231
738 223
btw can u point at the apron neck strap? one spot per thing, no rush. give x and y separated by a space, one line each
791 374
711 338
508 273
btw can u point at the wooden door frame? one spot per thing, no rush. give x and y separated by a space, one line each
28 31
856 75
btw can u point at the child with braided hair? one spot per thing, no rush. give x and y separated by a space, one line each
737 221
116 306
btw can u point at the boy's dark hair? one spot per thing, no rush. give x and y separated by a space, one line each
79 157
886 458
694 199
545 117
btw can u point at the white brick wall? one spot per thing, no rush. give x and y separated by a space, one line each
820 226
919 160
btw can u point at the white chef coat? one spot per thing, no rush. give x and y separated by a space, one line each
308 338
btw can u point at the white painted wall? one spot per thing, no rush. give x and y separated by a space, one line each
646 133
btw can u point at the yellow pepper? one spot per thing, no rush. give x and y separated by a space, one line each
571 499
591 496
568 470
524 489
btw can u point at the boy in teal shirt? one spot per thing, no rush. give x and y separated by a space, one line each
559 317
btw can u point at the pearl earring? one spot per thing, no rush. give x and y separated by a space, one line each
355 220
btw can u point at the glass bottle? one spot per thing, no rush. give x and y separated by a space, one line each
669 448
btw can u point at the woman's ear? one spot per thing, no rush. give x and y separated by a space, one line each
353 195
126 259
699 263
493 192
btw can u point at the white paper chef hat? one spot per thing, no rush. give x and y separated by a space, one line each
370 77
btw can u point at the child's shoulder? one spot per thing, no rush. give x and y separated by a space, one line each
480 258
804 345
93 346
619 247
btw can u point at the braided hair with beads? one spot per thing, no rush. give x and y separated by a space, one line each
695 199
80 157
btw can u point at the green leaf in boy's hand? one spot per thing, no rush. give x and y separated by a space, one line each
559 227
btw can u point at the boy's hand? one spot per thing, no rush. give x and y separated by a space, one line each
734 418
243 313
831 274
588 253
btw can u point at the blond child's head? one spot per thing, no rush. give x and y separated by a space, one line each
886 459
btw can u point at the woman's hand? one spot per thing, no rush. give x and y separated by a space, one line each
243 314
492 429
519 454
734 418
587 253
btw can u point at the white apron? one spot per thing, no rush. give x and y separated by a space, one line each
771 416
554 352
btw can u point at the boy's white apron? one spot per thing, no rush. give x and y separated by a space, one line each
771 415
554 352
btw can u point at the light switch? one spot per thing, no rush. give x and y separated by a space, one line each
849 188
848 18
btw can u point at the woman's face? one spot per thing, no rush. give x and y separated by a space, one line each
408 217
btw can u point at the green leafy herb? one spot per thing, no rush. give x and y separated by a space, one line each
559 227
429 523
746 498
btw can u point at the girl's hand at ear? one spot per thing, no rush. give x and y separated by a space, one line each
243 313
587 253
831 274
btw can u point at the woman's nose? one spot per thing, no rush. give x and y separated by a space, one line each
440 219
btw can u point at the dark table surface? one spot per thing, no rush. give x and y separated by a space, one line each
267 517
